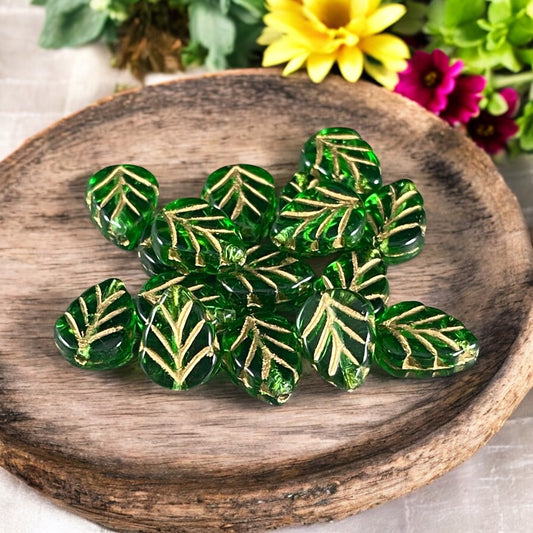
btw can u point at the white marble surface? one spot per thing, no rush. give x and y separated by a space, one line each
491 492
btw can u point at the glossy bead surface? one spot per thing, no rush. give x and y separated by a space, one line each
337 331
262 355
319 221
122 200
98 331
192 235
362 271
300 182
148 258
416 341
246 194
396 221
177 349
342 155
269 279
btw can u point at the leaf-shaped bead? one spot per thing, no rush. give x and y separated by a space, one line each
246 194
342 155
178 345
122 200
414 340
99 329
337 330
262 355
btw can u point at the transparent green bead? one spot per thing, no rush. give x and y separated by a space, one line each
192 235
262 355
178 346
246 194
204 288
98 331
342 155
299 183
319 221
122 200
416 341
268 280
362 271
396 221
337 330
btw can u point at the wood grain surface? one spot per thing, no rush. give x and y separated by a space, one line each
129 455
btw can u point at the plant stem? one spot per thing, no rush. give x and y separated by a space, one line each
498 82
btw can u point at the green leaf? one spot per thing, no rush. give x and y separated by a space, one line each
212 29
177 349
320 221
262 355
525 122
268 280
38 2
70 23
337 330
499 11
453 13
413 340
414 19
396 221
521 30
497 104
467 35
247 195
362 271
98 330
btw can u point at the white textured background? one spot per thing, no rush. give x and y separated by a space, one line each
491 492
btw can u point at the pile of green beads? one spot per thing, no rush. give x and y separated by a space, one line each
231 288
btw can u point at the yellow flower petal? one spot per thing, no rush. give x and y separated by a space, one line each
294 64
318 66
298 28
280 51
384 47
384 76
383 18
372 5
350 60
268 36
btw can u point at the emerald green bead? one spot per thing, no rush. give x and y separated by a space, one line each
122 200
416 341
98 331
300 182
362 271
319 221
219 311
337 330
246 194
269 279
262 354
147 257
177 349
192 235
396 221
342 155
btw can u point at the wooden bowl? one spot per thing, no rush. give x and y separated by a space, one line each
127 454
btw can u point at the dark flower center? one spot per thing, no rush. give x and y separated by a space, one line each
485 130
431 79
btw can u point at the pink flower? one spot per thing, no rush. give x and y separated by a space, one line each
429 79
463 101
491 132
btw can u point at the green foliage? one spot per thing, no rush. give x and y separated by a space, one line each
525 122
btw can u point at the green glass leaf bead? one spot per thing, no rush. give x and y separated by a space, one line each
246 194
149 260
122 200
98 330
337 330
342 155
204 288
177 349
268 280
416 341
262 355
396 221
362 271
190 234
320 221
300 182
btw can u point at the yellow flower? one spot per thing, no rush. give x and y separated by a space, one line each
316 33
